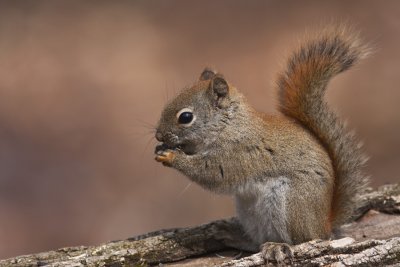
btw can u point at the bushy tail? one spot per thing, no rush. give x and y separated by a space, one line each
301 90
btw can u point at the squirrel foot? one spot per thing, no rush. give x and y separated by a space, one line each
164 156
276 252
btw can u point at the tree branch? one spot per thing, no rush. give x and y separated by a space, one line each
374 239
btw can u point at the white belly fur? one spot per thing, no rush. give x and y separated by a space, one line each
261 209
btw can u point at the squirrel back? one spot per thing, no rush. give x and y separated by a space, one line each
301 90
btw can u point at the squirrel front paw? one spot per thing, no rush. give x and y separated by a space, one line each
277 252
165 156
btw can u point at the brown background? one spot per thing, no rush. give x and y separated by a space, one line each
83 82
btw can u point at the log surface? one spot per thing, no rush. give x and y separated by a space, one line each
372 240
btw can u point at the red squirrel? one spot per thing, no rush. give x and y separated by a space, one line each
295 176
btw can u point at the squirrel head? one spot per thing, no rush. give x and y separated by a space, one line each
196 116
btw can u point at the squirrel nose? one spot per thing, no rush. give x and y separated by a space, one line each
159 136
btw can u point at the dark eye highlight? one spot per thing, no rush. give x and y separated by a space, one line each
185 117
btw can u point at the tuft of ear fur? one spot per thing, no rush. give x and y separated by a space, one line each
207 74
218 91
219 86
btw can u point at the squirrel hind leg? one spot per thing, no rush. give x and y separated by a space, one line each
280 253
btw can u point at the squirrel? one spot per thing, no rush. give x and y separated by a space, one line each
295 176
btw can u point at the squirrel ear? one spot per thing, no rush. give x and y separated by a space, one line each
219 86
219 91
207 74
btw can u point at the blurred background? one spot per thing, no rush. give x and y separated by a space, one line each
82 84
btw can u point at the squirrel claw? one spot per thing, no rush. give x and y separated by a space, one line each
276 252
165 157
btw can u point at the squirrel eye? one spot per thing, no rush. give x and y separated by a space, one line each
185 117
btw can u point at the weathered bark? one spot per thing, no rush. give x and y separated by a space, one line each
374 239
341 252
